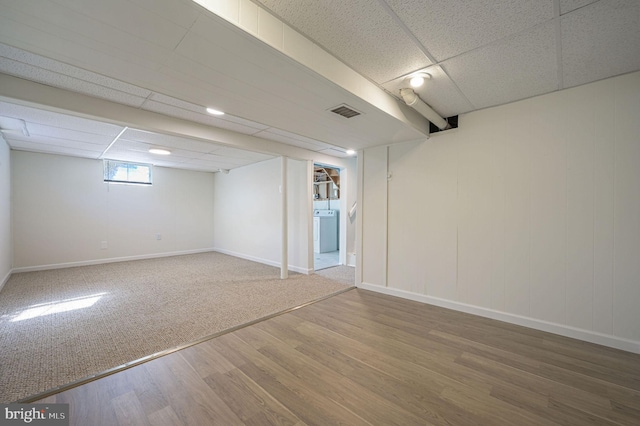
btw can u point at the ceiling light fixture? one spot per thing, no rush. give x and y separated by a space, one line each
417 79
214 111
159 151
350 152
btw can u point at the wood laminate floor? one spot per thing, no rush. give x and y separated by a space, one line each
362 358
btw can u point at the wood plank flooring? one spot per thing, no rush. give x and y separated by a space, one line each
362 358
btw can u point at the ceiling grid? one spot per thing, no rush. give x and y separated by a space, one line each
176 57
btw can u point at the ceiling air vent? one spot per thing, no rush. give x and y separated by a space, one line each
345 110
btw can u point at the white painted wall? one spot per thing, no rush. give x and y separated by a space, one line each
5 212
62 211
529 213
247 217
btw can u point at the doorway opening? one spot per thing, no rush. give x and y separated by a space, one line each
326 217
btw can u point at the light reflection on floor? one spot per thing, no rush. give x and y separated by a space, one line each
326 260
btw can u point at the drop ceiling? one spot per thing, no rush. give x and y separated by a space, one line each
262 63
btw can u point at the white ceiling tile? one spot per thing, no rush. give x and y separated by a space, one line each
58 67
449 28
28 145
439 92
600 40
345 29
509 70
61 28
124 145
513 56
567 6
62 81
54 119
55 142
36 130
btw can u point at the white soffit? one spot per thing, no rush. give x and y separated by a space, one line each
335 153
198 117
200 112
316 74
292 139
168 141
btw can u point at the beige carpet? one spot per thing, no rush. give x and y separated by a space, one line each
342 273
50 336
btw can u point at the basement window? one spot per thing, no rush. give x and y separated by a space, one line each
126 172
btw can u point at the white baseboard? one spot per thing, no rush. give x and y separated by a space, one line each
264 261
563 330
107 260
5 279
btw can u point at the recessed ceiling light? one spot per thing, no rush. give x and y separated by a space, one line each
214 111
159 151
350 152
417 80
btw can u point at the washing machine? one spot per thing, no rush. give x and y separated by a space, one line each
325 231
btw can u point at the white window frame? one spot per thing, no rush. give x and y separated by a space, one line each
128 179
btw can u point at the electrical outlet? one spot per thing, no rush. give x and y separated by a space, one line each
103 245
